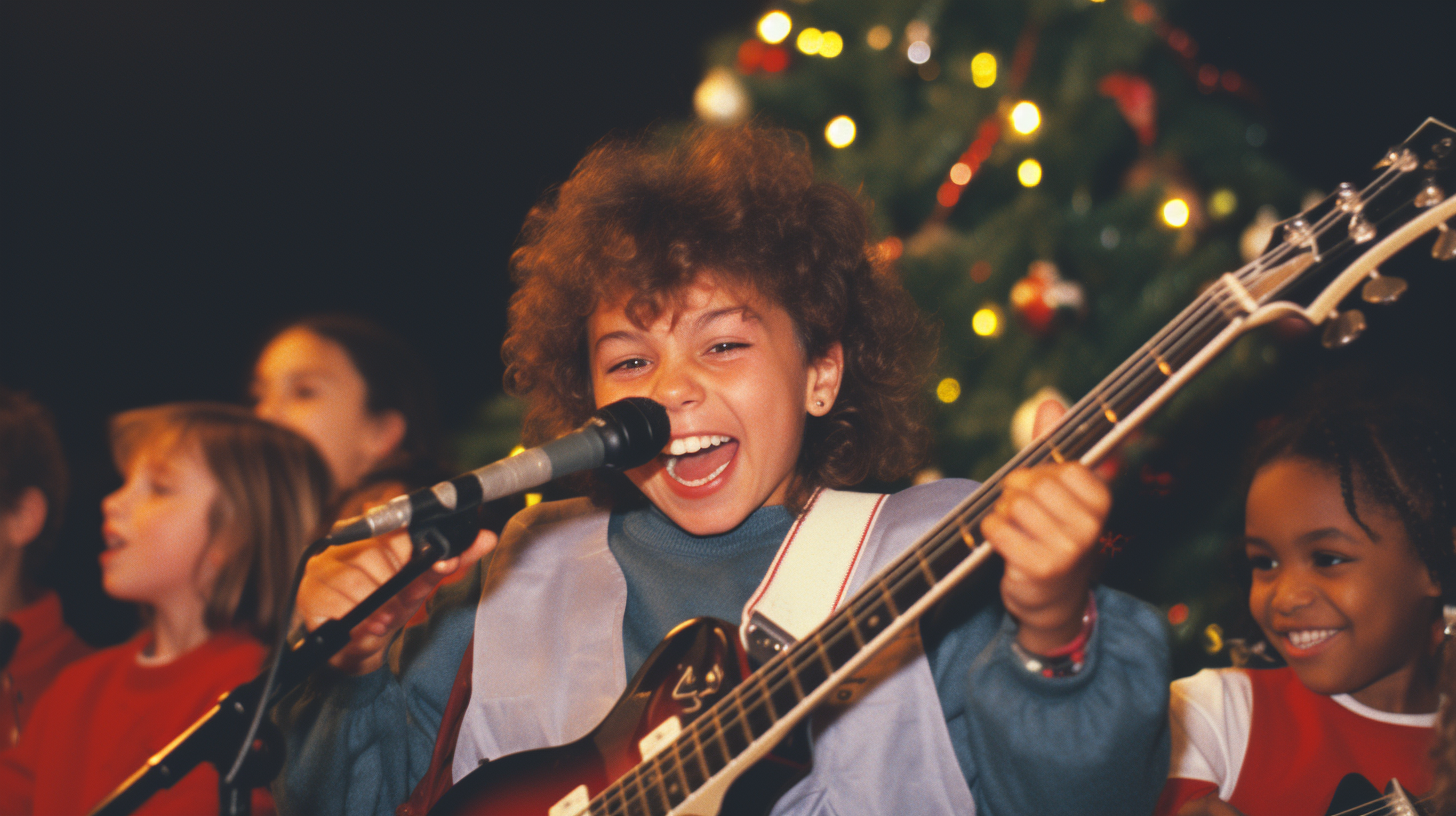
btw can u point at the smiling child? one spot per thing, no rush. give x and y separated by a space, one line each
1348 536
717 277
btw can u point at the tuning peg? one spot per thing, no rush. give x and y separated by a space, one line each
1445 247
1430 194
1402 158
1361 230
1348 198
1343 329
1298 231
1380 289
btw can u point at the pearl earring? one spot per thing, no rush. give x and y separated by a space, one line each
819 403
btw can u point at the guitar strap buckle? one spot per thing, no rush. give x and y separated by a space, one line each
764 639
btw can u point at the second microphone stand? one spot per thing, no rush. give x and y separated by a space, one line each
217 736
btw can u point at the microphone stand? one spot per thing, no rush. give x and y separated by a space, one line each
215 737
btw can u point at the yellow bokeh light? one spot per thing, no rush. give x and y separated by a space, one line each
517 450
1029 173
948 390
840 131
1222 203
986 322
1213 638
1175 212
774 27
809 40
533 498
1025 118
983 70
880 37
960 173
832 46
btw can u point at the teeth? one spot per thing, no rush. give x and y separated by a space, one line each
1308 638
693 444
672 471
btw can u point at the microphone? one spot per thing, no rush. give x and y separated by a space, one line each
619 436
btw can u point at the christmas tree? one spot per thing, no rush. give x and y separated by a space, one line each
1056 179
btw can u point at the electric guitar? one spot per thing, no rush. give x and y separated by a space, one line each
695 718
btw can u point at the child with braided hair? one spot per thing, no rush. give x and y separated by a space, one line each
1348 538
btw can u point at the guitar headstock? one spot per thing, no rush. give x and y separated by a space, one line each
1345 237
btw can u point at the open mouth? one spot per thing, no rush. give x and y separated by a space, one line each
1306 639
693 461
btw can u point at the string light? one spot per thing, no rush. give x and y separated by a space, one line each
879 37
918 52
774 27
809 41
832 46
1025 118
983 70
840 131
1029 173
1175 212
986 322
720 97
1222 203
948 391
960 173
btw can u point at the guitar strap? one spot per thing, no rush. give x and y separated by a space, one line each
811 573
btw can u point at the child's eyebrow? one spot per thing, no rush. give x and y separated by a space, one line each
743 312
1327 532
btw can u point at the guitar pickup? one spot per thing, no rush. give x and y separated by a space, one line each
764 639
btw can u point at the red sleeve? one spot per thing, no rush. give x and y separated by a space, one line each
1179 792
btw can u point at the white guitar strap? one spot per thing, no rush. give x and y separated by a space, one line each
811 574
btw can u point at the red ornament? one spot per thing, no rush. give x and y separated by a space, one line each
1038 297
1028 298
1136 101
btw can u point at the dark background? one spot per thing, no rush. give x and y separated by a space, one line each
177 177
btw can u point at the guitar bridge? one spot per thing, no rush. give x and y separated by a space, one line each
764 639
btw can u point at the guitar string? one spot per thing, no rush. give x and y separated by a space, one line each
1205 312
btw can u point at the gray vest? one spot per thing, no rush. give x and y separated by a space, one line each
549 665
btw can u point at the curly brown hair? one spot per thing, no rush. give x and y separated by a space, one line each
647 216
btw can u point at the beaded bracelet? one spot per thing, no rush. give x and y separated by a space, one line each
1067 660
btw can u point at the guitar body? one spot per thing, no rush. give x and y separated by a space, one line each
687 673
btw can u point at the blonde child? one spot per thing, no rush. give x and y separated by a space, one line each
717 277
215 509
1348 535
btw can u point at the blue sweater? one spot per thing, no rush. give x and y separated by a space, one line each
358 745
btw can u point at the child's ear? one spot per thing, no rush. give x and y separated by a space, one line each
388 432
825 375
26 519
